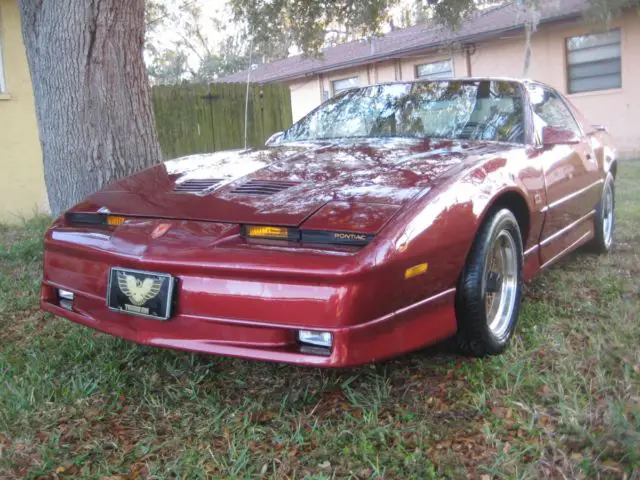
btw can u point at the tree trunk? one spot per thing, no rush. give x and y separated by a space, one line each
419 9
528 32
91 92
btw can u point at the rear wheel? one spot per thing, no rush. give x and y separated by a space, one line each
605 219
490 289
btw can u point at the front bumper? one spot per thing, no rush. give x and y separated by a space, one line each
254 315
403 331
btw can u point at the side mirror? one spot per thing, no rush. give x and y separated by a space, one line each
558 136
273 139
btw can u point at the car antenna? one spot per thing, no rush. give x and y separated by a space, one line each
246 98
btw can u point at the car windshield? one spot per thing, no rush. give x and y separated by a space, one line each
456 109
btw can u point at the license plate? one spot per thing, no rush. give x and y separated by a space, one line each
135 292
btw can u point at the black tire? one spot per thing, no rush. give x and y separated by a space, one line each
604 235
474 336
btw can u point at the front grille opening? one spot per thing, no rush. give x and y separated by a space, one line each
314 350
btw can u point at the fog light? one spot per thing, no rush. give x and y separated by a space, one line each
65 299
321 339
65 294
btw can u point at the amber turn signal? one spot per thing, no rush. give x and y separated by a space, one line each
292 234
416 270
279 233
115 220
97 219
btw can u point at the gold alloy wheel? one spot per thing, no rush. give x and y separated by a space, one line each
501 284
608 212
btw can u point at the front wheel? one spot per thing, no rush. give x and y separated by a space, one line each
490 289
605 219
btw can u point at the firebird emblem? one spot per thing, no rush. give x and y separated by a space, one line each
139 291
160 230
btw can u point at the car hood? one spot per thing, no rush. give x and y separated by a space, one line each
285 185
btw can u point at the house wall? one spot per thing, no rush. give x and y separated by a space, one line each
363 74
618 109
22 189
305 96
388 71
409 64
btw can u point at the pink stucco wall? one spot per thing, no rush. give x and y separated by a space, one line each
618 109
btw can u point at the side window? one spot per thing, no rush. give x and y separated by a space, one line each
550 110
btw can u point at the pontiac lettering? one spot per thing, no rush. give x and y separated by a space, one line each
350 236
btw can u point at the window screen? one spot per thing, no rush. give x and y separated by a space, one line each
433 70
344 84
594 62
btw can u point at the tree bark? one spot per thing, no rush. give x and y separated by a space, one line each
91 93
528 32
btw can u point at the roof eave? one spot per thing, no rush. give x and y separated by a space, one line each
397 53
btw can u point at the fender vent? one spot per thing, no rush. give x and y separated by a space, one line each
196 185
263 187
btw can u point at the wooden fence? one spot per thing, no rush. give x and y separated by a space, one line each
207 118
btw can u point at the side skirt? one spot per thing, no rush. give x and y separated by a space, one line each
581 241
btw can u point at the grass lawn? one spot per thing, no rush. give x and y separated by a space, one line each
564 402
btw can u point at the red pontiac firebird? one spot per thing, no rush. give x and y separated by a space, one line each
391 217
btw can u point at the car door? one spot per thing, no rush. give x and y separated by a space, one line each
572 178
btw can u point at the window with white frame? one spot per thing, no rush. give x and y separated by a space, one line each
594 62
344 84
441 69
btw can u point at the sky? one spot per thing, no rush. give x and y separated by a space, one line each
167 34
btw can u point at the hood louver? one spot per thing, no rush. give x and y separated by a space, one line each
197 185
263 187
